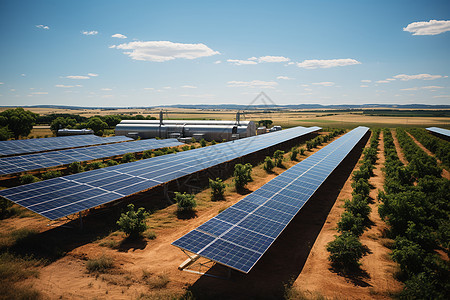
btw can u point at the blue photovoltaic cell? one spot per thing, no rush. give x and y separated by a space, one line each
29 162
123 180
252 225
53 143
438 130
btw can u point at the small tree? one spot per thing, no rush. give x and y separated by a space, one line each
278 156
28 178
203 142
242 175
351 223
302 151
346 251
147 154
19 121
294 153
185 202
97 125
5 134
133 222
217 188
51 174
268 164
75 167
111 162
128 157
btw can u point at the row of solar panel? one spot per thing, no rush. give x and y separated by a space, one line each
15 164
240 235
441 131
59 197
53 143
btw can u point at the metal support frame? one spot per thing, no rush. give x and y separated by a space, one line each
193 261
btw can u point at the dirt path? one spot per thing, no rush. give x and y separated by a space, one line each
445 172
400 154
317 277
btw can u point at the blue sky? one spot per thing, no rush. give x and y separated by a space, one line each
147 53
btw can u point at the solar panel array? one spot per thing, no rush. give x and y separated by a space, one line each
239 236
63 196
15 164
441 131
53 143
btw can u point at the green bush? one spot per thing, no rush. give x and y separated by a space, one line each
192 147
294 153
361 187
147 154
217 188
242 175
75 167
133 222
28 178
158 153
302 151
351 223
268 164
346 251
213 142
278 156
111 163
51 174
185 202
128 157
185 148
203 142
358 206
94 165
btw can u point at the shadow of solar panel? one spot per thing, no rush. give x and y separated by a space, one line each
258 219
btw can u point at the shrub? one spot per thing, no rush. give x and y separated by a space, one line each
358 206
268 164
51 174
217 188
75 167
147 154
302 151
213 142
294 153
94 165
351 223
361 187
28 178
128 157
185 148
185 202
203 143
346 251
192 147
99 265
242 175
133 222
158 153
278 156
111 162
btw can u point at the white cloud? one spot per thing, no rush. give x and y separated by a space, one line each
382 81
106 89
405 77
239 62
2 83
43 27
77 77
119 36
253 84
284 78
160 51
149 89
218 62
189 87
64 86
442 96
167 87
366 80
23 75
429 87
324 83
92 74
363 86
92 32
431 27
273 59
390 79
39 93
327 63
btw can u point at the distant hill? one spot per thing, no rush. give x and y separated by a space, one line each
256 107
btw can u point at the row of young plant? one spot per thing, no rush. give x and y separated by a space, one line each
415 205
439 147
320 139
346 249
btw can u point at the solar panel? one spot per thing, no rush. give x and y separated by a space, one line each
53 143
239 236
438 130
59 197
15 164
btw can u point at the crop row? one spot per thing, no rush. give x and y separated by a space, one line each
439 147
415 205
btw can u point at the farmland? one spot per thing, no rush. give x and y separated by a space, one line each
101 262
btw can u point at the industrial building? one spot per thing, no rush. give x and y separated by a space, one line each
187 129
